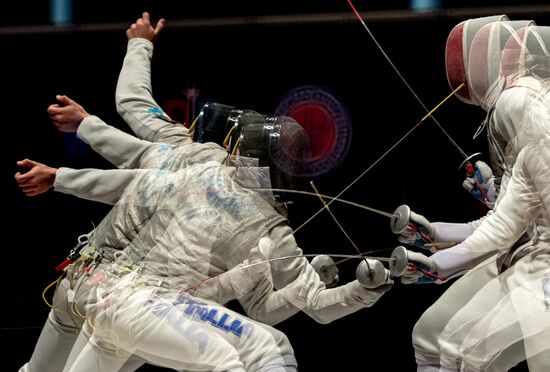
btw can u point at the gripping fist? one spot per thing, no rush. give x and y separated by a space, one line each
372 274
373 280
418 233
327 270
480 183
420 270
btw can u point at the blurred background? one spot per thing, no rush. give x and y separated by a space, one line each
309 59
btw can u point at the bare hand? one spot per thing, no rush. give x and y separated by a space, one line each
37 180
143 28
68 117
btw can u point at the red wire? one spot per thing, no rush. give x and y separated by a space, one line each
481 191
470 170
426 237
424 272
355 10
412 227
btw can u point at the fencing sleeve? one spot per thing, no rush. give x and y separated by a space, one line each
100 185
498 231
134 98
121 149
299 288
451 232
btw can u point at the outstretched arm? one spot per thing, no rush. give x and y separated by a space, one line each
134 92
498 232
121 149
104 186
299 287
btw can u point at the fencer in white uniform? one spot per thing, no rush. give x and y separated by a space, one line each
507 320
506 72
135 103
324 305
201 214
457 54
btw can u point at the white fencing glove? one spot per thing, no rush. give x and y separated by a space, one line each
418 233
370 296
420 270
328 272
480 183
373 280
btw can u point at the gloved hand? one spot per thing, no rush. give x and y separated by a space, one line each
372 274
480 183
418 233
420 270
327 270
373 280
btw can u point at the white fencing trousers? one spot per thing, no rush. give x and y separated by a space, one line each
177 331
506 322
53 347
61 328
428 328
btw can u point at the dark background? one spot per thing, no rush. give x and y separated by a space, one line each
250 63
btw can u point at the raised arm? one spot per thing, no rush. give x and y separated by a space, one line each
134 92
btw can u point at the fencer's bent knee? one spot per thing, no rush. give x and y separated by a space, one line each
425 336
